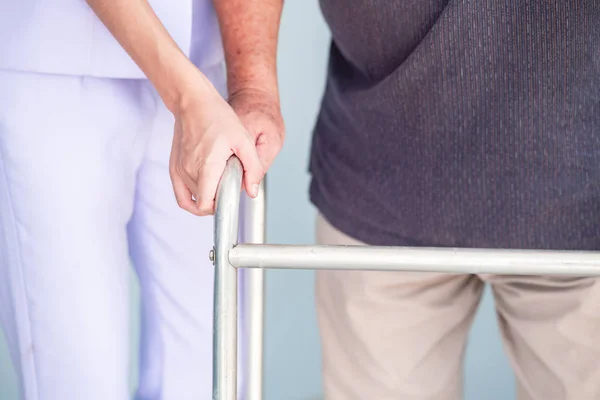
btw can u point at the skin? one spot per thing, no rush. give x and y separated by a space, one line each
208 129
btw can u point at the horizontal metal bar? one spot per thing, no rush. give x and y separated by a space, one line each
446 260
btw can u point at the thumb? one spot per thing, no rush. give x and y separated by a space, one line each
267 152
253 170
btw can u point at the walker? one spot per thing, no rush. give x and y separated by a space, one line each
228 256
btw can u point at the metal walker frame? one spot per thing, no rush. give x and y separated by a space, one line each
229 256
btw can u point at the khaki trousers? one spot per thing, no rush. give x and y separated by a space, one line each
402 336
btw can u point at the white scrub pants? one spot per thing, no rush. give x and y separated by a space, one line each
84 190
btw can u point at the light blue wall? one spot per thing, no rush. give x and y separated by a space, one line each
292 351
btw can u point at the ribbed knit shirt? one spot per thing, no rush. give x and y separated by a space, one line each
468 123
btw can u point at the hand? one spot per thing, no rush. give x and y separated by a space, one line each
207 133
260 114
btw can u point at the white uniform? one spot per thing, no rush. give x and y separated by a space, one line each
84 188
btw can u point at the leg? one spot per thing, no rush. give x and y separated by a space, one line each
170 250
551 326
389 335
67 169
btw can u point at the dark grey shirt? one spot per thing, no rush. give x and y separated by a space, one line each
462 123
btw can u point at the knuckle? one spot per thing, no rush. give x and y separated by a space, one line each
192 166
210 160
205 208
189 169
179 169
220 142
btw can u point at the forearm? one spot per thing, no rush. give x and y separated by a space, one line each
250 30
139 31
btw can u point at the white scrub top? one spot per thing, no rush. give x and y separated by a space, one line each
65 37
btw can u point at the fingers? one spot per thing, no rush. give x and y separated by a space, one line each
184 195
203 175
253 170
208 182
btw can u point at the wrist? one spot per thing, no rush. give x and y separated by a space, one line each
179 83
261 78
257 96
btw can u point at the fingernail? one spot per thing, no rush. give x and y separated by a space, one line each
254 190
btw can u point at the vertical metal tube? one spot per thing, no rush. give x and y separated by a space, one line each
225 290
253 299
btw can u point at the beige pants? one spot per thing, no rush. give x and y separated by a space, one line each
402 336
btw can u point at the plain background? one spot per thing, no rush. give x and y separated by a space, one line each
292 358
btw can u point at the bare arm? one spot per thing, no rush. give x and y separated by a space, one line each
139 31
250 29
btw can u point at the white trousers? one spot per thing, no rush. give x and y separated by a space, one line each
84 189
